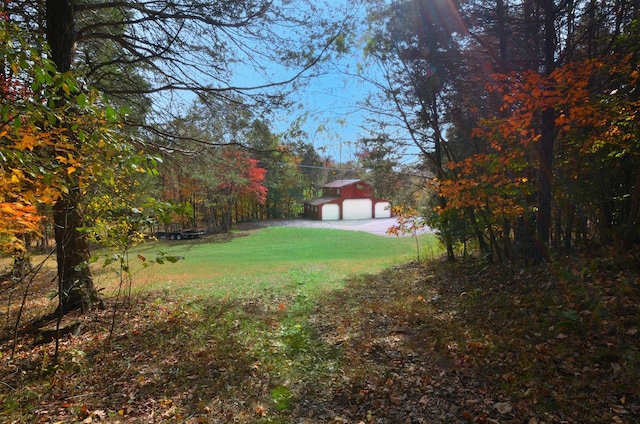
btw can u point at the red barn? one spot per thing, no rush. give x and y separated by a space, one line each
347 199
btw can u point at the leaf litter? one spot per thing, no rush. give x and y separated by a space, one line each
417 343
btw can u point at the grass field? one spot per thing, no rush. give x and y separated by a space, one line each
289 325
273 260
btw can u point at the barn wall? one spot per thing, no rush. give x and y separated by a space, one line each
347 200
311 212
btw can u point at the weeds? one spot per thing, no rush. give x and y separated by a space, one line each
436 344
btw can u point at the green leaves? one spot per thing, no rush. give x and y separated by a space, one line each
58 135
110 113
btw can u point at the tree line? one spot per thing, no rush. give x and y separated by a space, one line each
525 114
93 114
120 116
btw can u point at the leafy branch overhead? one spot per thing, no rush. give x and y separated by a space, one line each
105 86
156 57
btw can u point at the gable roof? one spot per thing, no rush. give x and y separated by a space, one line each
340 183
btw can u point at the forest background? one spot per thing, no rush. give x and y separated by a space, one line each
510 127
523 115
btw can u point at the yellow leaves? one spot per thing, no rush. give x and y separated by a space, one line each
26 138
27 142
17 176
48 196
72 163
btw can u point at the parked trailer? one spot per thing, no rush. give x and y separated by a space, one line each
179 235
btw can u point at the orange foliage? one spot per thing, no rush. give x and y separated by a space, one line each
241 176
499 179
16 219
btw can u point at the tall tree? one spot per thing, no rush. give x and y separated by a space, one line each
72 248
178 47
57 137
517 73
419 53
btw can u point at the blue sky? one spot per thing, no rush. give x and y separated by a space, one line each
329 105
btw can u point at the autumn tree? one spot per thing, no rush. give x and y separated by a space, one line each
416 46
517 106
285 179
148 55
59 142
204 166
240 177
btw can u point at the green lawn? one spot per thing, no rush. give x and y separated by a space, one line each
265 327
274 259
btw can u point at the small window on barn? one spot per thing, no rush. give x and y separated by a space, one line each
338 192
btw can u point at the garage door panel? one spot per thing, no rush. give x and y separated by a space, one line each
383 210
356 209
330 212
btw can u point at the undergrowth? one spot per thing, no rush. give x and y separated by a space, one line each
423 343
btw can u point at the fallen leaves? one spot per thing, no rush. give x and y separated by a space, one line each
454 346
503 407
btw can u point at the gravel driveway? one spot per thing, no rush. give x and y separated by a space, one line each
374 226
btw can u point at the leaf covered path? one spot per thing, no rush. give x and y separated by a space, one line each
415 344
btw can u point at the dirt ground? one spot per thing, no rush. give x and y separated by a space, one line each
374 226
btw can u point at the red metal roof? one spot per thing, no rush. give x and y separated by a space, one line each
340 183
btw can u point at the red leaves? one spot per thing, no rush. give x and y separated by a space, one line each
240 174
498 179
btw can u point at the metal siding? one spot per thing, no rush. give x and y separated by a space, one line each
330 212
356 209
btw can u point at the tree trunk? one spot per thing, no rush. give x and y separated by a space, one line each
568 232
448 240
61 32
227 216
545 148
451 257
631 233
76 289
545 175
482 244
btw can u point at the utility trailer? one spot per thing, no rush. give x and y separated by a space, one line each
179 235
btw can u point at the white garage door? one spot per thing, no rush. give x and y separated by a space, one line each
330 212
383 210
356 209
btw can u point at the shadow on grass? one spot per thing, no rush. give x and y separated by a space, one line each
432 344
465 343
